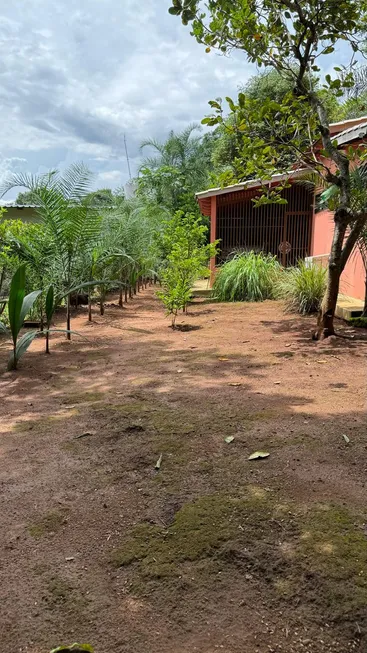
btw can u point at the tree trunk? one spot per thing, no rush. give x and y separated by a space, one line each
130 292
89 307
47 341
101 305
126 293
364 314
2 277
325 322
121 300
68 334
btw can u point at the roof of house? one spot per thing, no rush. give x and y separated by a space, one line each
343 125
353 133
247 185
14 205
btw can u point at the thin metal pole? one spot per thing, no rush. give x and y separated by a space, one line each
127 156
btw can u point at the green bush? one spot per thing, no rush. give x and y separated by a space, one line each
248 277
302 288
360 322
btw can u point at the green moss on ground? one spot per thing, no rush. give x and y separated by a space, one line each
49 523
318 553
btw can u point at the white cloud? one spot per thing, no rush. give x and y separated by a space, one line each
76 76
110 178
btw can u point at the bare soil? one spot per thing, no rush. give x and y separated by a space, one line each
211 551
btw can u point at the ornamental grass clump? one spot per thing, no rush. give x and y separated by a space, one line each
248 276
303 288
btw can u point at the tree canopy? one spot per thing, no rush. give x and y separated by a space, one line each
290 36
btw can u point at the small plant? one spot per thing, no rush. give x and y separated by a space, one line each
303 288
248 276
19 305
186 260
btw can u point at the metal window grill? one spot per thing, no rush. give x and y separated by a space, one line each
283 230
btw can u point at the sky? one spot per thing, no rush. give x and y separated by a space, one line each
77 76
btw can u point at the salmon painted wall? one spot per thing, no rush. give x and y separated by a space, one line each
353 278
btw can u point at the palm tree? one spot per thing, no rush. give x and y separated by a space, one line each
178 165
71 222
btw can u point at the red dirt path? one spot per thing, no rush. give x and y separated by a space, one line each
233 555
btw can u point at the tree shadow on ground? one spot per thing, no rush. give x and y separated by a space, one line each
261 551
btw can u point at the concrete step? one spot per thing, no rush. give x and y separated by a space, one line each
348 307
201 288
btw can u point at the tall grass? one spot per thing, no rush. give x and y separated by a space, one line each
248 277
302 288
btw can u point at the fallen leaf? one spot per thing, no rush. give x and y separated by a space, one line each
347 440
276 382
179 371
223 359
235 385
229 439
288 345
85 435
69 559
321 362
259 454
159 462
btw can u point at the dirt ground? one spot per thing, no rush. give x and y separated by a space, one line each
213 551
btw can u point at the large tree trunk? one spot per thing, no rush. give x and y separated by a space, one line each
325 322
341 250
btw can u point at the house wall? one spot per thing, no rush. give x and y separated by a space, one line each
352 281
27 214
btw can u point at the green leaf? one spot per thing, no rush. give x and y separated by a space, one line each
28 302
16 296
259 454
3 328
175 11
22 346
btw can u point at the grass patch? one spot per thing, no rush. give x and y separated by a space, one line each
197 531
49 523
318 553
247 277
302 288
360 322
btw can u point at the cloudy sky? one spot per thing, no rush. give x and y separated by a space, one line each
76 76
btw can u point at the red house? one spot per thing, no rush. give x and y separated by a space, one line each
292 231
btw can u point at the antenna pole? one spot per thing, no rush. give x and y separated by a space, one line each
127 156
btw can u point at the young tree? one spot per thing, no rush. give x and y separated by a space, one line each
290 36
186 254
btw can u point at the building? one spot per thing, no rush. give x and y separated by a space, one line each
293 231
24 212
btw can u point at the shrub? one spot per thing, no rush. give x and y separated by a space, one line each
247 277
302 288
360 322
186 260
